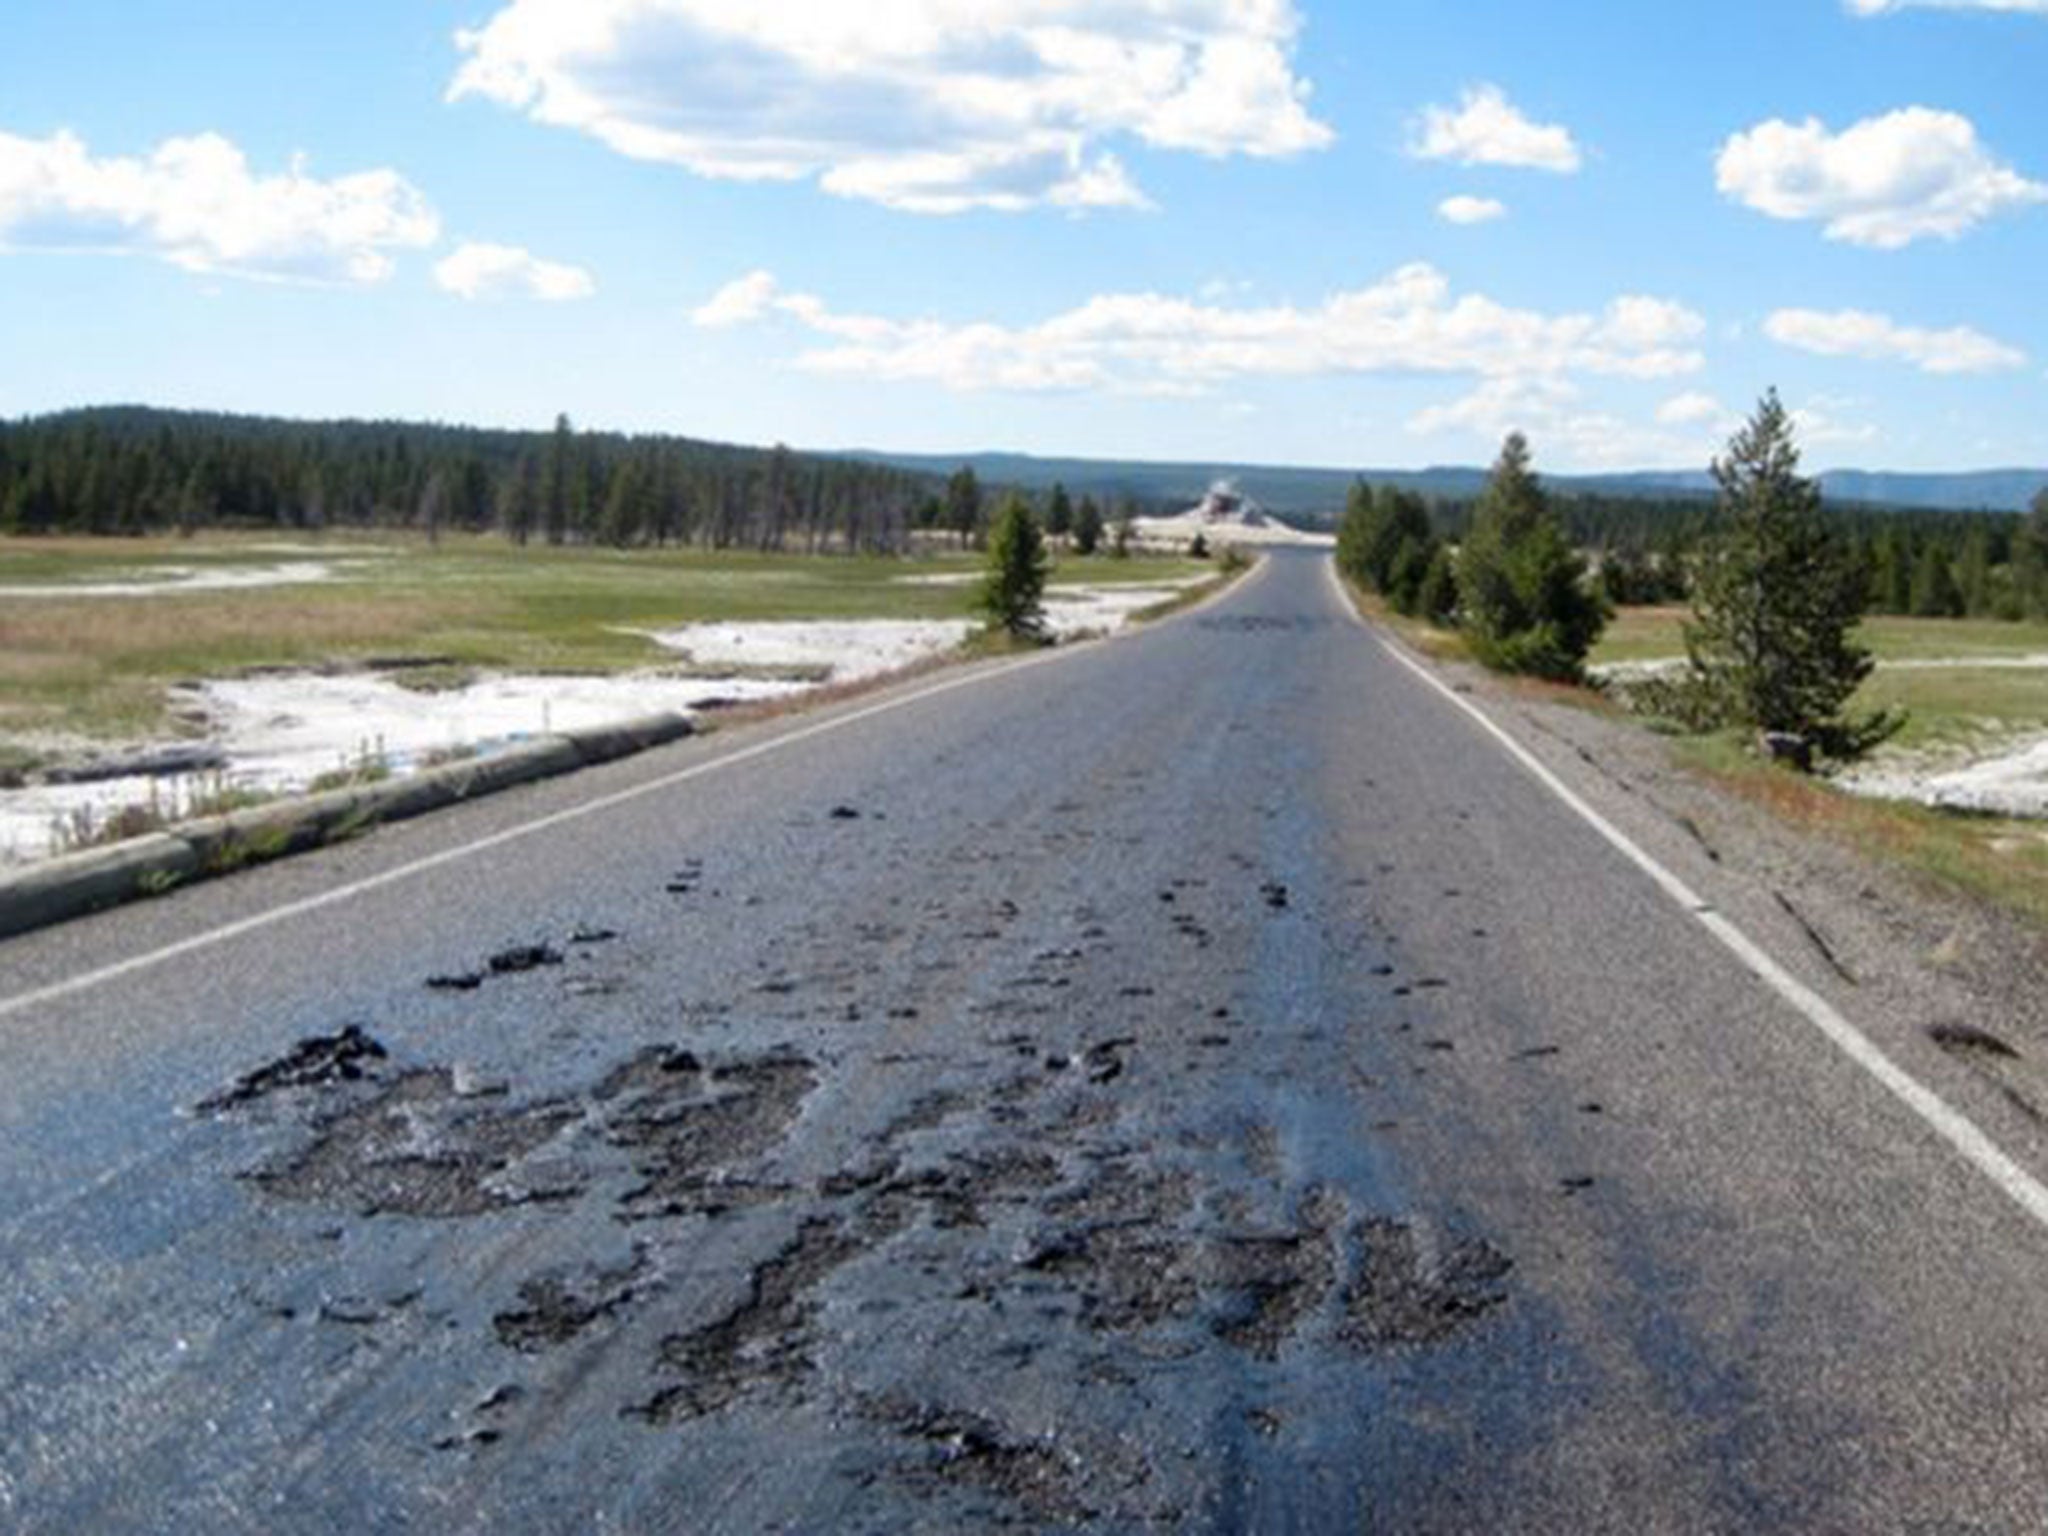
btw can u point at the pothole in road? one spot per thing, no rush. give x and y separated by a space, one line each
419 1149
682 1123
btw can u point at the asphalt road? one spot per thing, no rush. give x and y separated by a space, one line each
1198 1082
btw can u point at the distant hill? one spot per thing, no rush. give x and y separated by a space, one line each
1317 494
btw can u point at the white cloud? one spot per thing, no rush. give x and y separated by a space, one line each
1818 426
1487 129
1693 409
480 271
1471 210
194 202
1553 413
1885 182
1882 7
1861 334
931 106
1148 343
739 302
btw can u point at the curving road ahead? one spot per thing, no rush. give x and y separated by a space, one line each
1202 1081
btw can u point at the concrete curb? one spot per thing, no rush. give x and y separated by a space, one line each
61 889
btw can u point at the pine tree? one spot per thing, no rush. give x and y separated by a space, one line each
963 504
1437 601
1124 532
1775 597
1523 587
2030 559
1973 572
1087 527
561 480
1935 593
1013 592
1059 512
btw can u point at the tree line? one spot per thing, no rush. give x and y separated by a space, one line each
1644 549
137 471
1776 581
134 470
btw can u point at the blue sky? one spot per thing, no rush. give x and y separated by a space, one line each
1359 234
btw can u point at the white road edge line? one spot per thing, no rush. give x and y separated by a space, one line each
1949 1123
86 980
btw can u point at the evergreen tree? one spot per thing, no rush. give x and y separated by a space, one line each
1775 597
1013 591
963 504
561 472
1526 603
1935 593
1973 572
2030 560
625 506
1124 532
519 500
1087 527
1059 512
1385 542
1437 599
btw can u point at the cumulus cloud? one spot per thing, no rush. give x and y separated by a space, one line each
1553 412
1148 343
1485 128
1471 210
1885 182
1862 334
196 203
1693 409
482 271
930 106
1819 425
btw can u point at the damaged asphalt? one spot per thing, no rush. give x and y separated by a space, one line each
1197 1084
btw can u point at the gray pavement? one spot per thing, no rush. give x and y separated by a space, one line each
1200 1083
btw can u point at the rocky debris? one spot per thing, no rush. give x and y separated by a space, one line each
683 1123
315 1062
971 1451
1969 1040
1416 1284
554 1309
419 1149
763 1340
523 957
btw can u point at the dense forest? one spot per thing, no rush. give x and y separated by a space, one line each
134 470
1917 562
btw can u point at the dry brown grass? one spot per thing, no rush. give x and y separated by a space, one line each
1987 858
217 622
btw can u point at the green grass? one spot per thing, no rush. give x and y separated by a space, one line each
1647 634
1947 706
1988 858
99 667
1999 861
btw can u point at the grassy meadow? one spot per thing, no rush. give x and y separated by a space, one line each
1975 694
98 667
1957 697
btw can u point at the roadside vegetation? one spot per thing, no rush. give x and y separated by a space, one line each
1013 589
1769 633
1516 588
